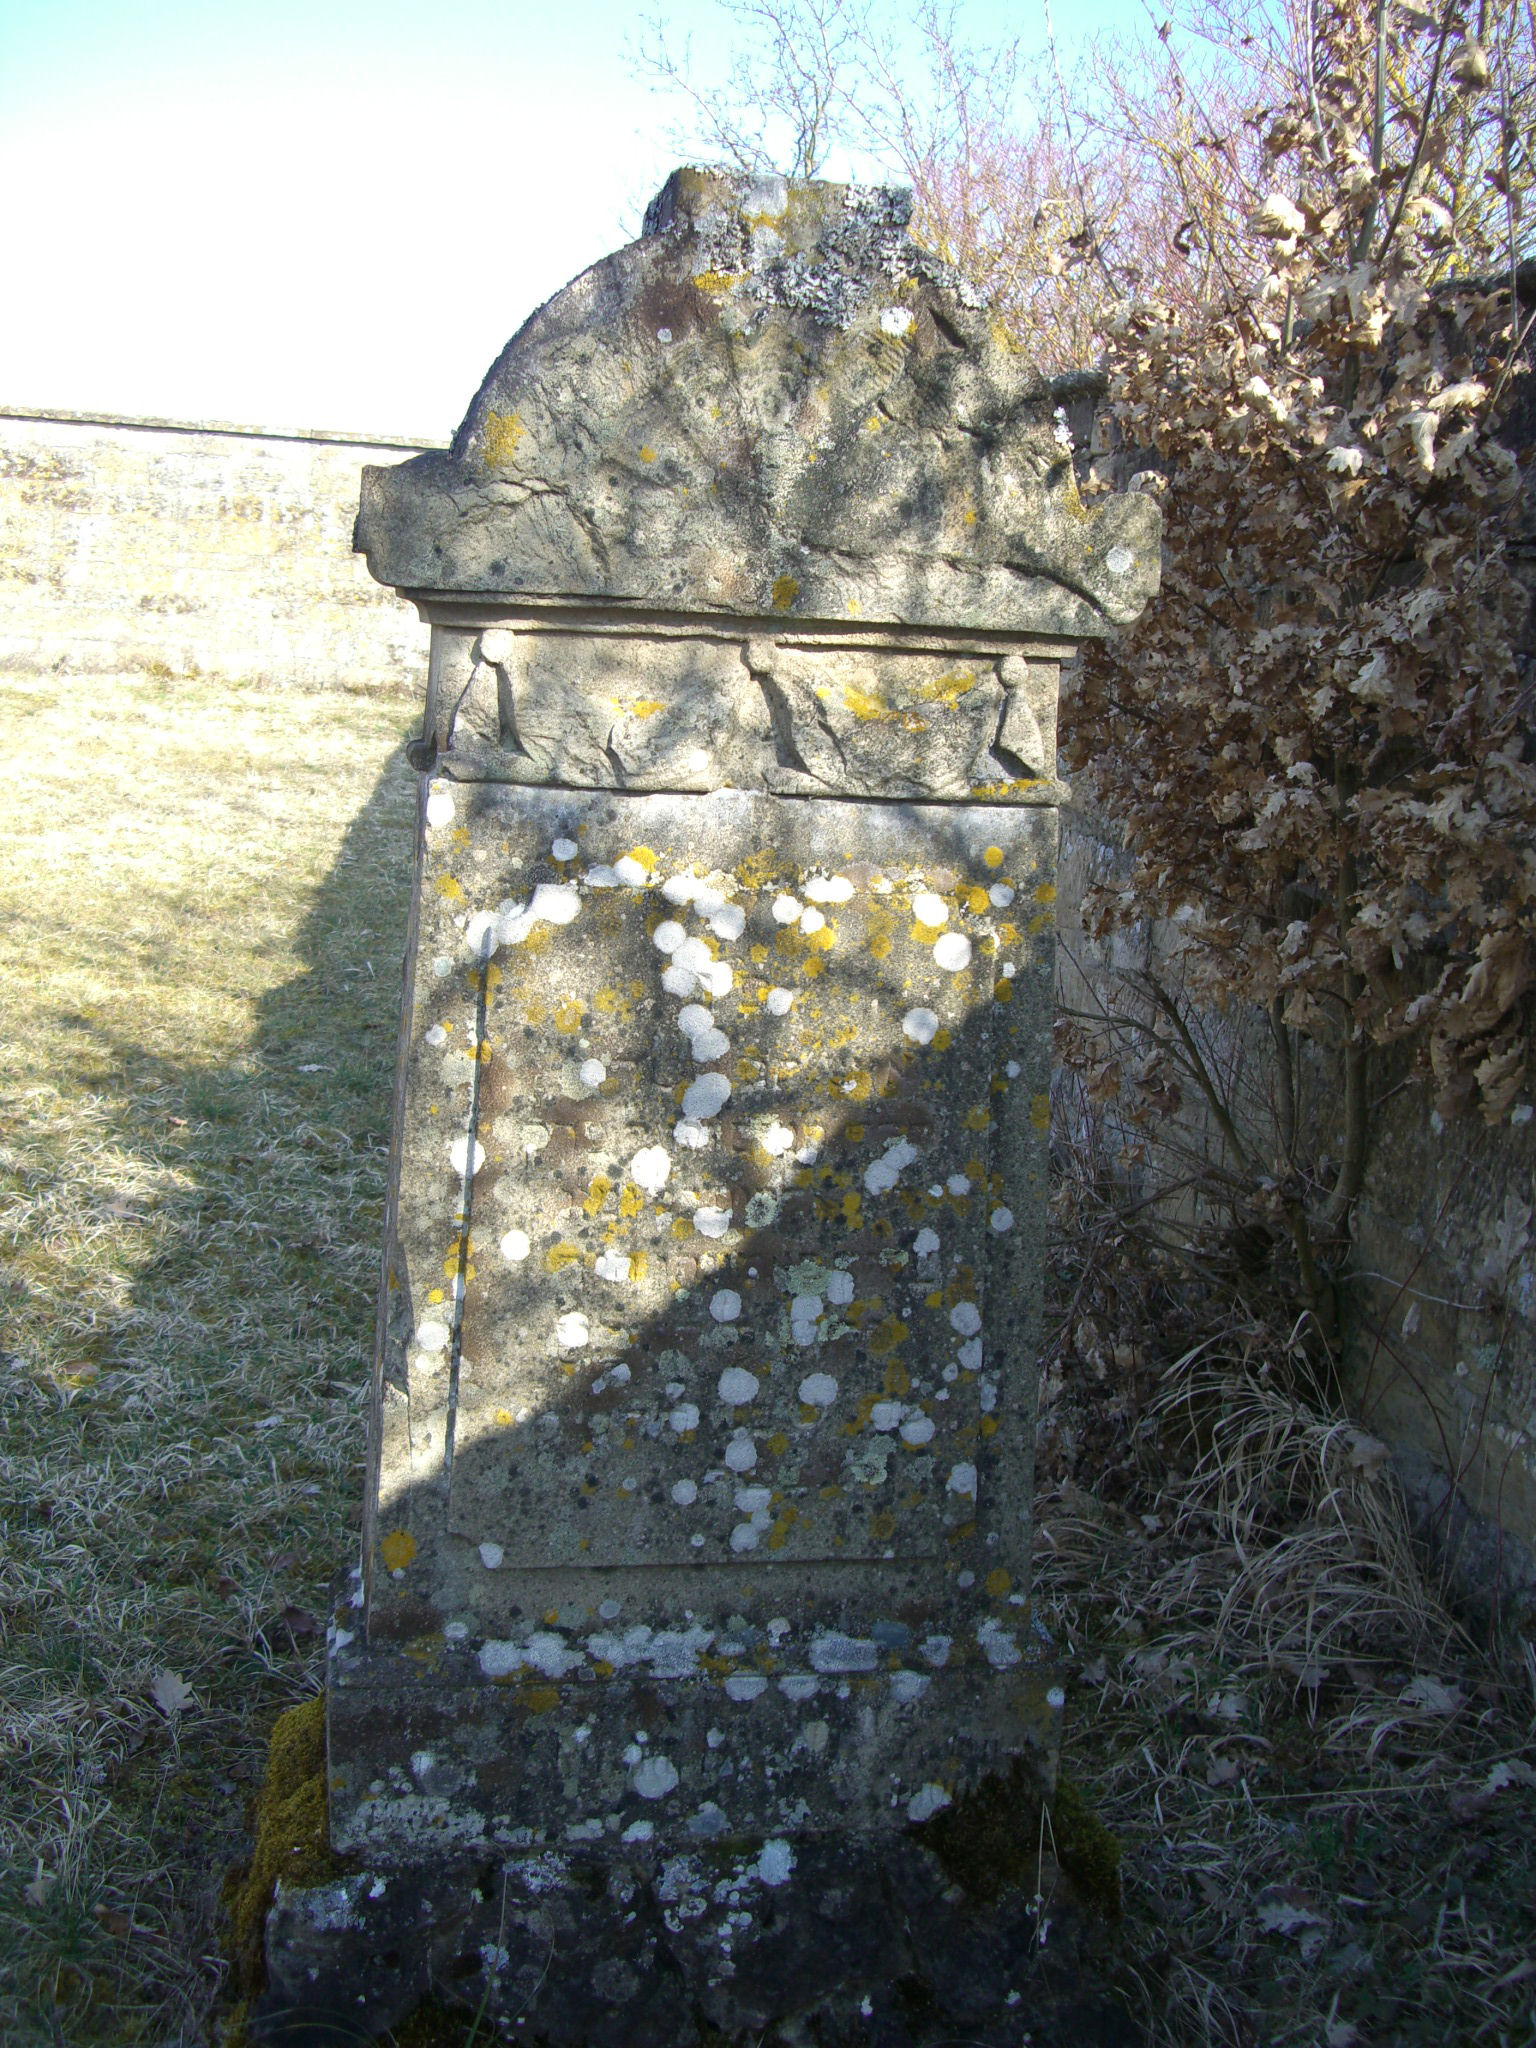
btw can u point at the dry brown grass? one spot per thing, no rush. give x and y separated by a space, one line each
1323 1785
203 891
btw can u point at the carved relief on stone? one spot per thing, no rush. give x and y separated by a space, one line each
688 711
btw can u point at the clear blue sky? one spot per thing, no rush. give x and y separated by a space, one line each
326 213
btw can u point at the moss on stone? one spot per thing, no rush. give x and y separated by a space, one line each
1086 1850
992 1839
292 1834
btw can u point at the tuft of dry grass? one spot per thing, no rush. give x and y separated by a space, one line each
203 893
1324 1787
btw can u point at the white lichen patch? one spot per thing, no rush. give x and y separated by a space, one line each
515 1246
924 1804
882 1174
920 1025
650 1169
952 952
572 1331
829 889
818 1390
737 1386
832 1652
654 1778
706 1096
929 909
787 909
710 1221
965 1318
460 1156
440 809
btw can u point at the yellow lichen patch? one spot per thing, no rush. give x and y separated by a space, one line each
538 1699
886 1335
947 689
852 1207
785 590
434 1295
447 887
643 856
822 941
1040 1112
397 1549
503 431
873 424
561 1255
646 707
611 1002
597 1193
647 454
637 1265
1008 935
568 1017
1002 990
1046 893
715 282
778 1443
989 1425
1040 922
682 1226
992 856
998 1582
504 1418
864 704
1001 792
978 1119
897 1380
924 934
631 1201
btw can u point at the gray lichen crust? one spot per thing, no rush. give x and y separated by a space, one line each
774 404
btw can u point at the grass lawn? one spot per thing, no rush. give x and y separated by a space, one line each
1324 1794
203 893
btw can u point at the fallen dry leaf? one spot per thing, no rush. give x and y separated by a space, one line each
171 1693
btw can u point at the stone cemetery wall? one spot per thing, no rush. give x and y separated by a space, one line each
201 549
1441 1357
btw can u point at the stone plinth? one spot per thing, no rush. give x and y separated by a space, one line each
696 1558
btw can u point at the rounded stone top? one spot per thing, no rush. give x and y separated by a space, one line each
775 404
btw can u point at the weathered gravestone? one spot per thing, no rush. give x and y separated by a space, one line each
697 1528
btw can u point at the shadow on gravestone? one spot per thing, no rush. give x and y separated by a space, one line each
612 1933
696 1541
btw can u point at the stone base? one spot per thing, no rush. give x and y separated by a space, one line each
826 1941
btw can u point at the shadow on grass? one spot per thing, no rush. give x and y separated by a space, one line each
189 1299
